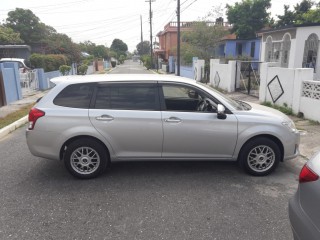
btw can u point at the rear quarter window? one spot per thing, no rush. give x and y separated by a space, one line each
75 96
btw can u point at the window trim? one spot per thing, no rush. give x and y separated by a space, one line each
162 99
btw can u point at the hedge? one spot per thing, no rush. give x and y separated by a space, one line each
50 62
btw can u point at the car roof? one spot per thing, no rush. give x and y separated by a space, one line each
66 80
12 59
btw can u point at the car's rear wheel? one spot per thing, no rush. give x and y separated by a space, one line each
260 156
85 158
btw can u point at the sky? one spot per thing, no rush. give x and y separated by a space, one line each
101 21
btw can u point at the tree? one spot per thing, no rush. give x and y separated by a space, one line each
248 17
59 43
25 22
201 41
143 48
101 51
287 18
119 47
302 14
8 36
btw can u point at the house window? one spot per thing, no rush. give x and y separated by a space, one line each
253 49
239 49
268 56
286 46
310 52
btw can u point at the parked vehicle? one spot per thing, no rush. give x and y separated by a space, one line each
304 211
90 121
23 68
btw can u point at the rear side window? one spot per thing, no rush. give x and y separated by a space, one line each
75 96
128 97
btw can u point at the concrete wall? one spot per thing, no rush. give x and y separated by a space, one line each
198 69
223 75
291 86
11 80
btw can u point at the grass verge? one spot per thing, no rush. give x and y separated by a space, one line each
12 117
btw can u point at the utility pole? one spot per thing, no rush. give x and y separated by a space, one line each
150 17
141 28
178 38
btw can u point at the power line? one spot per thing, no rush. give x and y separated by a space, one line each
188 5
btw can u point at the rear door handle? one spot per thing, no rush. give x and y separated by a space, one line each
106 118
173 120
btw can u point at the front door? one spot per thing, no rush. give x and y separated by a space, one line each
192 132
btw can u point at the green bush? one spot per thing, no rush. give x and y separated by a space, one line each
122 59
146 59
82 69
50 62
64 69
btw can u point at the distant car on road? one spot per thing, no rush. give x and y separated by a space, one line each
23 68
90 121
304 210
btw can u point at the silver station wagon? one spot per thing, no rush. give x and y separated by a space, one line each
91 121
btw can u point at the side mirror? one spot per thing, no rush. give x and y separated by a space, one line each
221 112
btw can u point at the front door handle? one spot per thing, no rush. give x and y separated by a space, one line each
173 120
107 118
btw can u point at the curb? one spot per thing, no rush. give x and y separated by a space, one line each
13 126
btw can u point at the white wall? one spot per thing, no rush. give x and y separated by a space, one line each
198 66
299 92
223 75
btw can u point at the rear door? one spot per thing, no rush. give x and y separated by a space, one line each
128 116
193 133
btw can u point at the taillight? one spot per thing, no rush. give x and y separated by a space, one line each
307 175
34 115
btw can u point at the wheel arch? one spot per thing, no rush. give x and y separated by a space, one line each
70 140
269 136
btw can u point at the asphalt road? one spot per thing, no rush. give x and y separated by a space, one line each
140 200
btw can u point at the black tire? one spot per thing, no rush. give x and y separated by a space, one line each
260 156
86 158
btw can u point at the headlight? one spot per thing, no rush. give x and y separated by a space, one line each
290 125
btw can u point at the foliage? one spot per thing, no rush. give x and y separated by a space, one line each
248 17
101 51
285 109
122 58
143 48
201 41
25 22
50 62
64 70
82 69
8 36
146 59
119 47
62 44
302 13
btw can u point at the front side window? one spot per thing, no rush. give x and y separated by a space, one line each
187 99
127 97
75 96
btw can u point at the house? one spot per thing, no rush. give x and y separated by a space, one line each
15 51
168 37
231 47
294 46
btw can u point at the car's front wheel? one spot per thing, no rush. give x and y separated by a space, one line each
85 158
260 156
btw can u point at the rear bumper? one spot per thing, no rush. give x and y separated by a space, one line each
301 225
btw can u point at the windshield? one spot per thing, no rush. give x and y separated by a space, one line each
238 105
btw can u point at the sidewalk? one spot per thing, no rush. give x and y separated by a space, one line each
15 106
